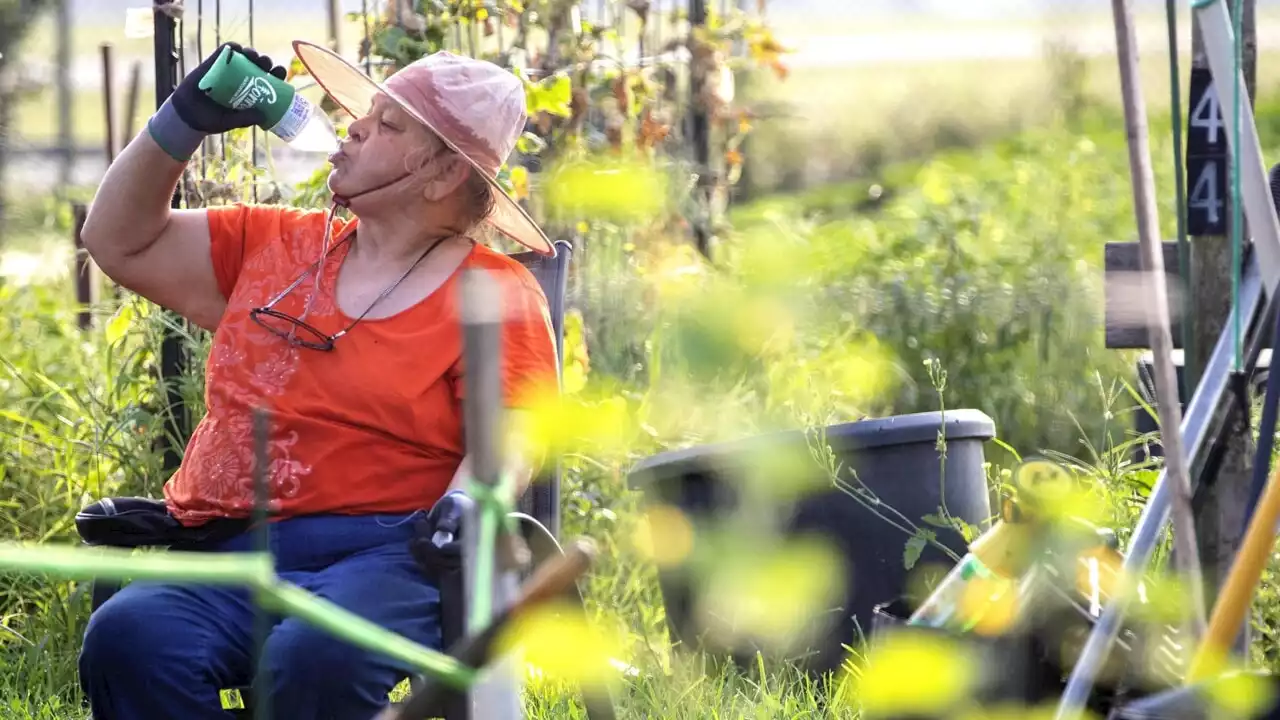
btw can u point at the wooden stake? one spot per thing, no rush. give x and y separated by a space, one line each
66 130
84 275
131 104
108 100
1169 408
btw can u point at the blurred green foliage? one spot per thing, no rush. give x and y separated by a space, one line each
822 307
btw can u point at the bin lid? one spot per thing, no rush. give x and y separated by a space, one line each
960 424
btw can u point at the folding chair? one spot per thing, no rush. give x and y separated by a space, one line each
538 514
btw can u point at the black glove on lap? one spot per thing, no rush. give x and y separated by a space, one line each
437 540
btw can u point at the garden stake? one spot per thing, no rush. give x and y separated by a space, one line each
1168 405
487 583
262 546
109 100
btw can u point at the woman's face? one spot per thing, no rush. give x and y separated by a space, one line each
384 145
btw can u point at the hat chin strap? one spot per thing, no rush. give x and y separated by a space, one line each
345 200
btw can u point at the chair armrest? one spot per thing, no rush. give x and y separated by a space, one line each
131 522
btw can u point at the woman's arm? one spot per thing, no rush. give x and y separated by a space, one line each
519 457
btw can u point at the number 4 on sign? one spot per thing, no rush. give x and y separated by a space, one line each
1205 195
1205 202
1208 115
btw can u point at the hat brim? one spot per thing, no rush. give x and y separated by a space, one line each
354 92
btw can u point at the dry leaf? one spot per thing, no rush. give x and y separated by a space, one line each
296 68
767 50
622 92
652 130
579 104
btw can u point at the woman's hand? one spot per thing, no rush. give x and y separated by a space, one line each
437 538
446 519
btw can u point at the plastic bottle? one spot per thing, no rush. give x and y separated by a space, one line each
944 607
236 82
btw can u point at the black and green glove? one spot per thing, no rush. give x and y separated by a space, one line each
189 115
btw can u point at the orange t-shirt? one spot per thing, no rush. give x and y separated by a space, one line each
373 425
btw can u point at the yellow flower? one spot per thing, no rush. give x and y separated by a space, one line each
557 641
519 182
909 673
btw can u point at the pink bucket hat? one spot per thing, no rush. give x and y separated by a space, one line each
476 107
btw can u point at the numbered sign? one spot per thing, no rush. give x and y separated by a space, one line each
1207 158
1207 195
1206 126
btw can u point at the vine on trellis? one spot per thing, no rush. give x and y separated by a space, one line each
587 100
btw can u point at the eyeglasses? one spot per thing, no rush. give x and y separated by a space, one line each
288 327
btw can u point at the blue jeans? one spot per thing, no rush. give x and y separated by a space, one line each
158 650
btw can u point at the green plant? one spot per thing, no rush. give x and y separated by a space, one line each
583 100
76 425
974 281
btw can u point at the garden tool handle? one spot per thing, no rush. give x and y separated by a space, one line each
1238 589
549 579
556 575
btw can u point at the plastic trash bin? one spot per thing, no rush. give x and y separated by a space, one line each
896 457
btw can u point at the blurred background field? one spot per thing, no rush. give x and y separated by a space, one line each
867 84
931 185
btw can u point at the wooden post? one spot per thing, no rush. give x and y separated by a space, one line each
84 275
66 139
742 88
6 124
1222 504
368 38
109 101
334 18
700 131
1169 409
131 103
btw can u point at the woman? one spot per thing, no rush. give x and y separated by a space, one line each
348 333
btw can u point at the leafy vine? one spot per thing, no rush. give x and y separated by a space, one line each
586 96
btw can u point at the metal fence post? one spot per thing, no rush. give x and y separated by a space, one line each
173 361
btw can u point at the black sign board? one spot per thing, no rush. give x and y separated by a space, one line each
1207 158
